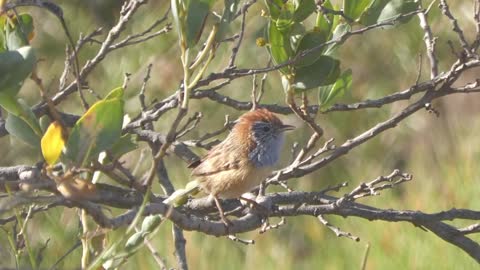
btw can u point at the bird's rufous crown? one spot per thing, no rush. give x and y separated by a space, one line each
262 115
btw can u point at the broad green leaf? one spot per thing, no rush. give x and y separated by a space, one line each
116 93
285 19
197 12
20 129
125 144
340 30
2 34
52 143
19 32
296 34
15 66
10 104
330 93
97 130
178 15
29 117
303 9
279 46
396 8
371 14
309 41
354 8
325 22
324 71
274 8
21 121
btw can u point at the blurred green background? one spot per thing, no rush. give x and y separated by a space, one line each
440 152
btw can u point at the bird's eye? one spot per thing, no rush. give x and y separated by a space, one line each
266 128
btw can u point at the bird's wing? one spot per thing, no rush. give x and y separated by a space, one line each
216 161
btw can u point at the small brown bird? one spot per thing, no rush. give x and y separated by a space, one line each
239 163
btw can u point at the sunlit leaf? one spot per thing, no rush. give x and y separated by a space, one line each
396 8
3 45
197 12
178 14
19 31
373 11
325 22
285 20
303 9
324 71
330 93
354 8
274 8
97 130
10 104
52 143
279 46
340 30
116 93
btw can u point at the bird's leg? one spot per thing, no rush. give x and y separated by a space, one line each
258 206
220 210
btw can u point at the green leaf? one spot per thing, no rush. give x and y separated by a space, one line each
285 19
10 104
340 30
274 8
116 93
97 130
197 12
178 15
134 241
279 46
371 14
328 94
396 8
125 144
21 110
309 41
20 129
2 34
18 32
150 223
29 117
303 9
324 71
15 66
325 22
231 7
354 8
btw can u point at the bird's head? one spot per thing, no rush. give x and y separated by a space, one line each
264 134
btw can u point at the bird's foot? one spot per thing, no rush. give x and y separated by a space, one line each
258 207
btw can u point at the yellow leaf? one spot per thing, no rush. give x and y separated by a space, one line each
52 143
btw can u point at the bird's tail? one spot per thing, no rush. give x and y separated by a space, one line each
180 196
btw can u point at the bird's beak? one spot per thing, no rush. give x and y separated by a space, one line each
283 128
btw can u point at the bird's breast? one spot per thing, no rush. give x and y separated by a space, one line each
266 153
